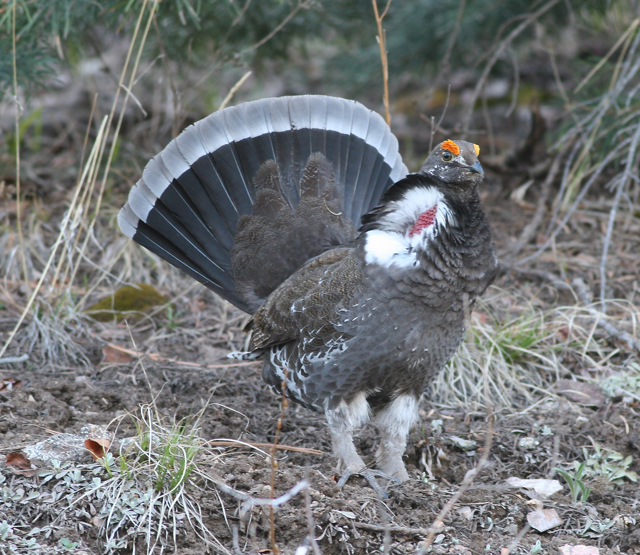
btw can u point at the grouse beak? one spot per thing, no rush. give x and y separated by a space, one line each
476 168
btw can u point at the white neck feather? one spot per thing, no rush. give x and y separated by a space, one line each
392 244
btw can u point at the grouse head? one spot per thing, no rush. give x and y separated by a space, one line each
454 164
441 198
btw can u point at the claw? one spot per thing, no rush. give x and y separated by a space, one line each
369 475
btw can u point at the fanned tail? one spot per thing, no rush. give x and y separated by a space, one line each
241 199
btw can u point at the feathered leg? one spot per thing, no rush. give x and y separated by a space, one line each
394 422
342 421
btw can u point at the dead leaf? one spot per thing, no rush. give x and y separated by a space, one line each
112 354
19 464
517 195
9 384
541 486
97 447
587 394
544 519
579 550
463 444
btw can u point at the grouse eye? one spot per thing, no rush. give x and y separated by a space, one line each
447 156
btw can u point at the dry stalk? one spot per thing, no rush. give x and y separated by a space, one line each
631 164
552 471
382 42
54 280
23 257
116 131
257 445
234 90
392 529
274 464
436 127
278 28
444 63
530 229
158 358
54 249
310 521
626 36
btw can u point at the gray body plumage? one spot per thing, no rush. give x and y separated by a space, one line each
353 321
392 330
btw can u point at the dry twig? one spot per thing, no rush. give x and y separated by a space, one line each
274 463
500 48
530 229
382 41
438 524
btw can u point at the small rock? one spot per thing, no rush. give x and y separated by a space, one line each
528 443
67 447
579 550
544 519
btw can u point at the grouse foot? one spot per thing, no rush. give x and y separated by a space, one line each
369 475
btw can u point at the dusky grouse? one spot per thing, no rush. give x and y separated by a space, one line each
262 203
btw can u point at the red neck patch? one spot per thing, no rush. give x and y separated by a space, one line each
427 218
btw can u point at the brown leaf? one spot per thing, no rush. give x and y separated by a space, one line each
19 464
113 354
97 447
9 383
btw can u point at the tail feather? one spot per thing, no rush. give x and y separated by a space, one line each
189 202
374 170
155 242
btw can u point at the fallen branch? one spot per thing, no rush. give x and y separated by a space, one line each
393 529
585 297
223 443
158 358
582 292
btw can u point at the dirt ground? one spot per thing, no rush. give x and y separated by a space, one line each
485 519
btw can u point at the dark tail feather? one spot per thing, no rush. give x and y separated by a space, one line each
189 203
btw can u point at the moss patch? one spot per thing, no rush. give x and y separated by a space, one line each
130 301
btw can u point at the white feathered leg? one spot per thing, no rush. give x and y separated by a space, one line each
343 420
394 422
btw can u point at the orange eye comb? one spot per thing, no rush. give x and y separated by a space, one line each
477 149
451 147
